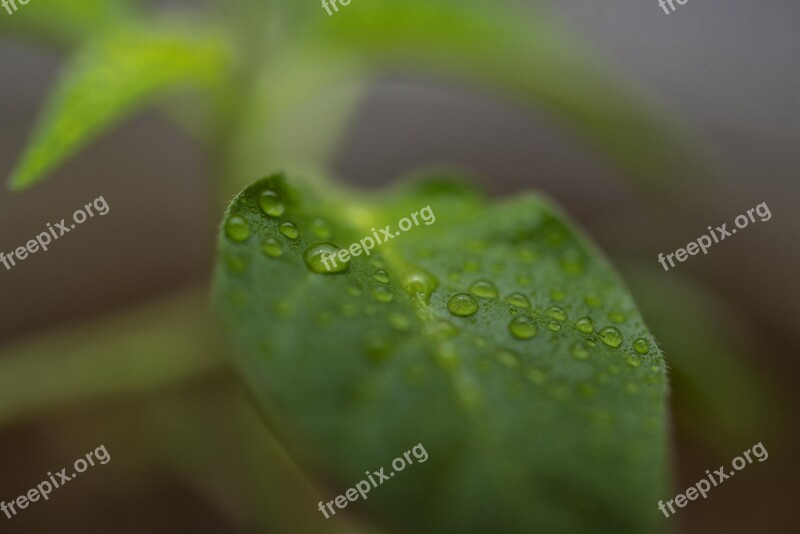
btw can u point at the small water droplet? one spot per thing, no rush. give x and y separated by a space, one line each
237 229
271 204
554 326
641 346
462 305
381 294
519 300
315 255
556 313
370 310
522 327
289 230
381 276
484 289
348 309
579 352
586 390
477 246
633 361
271 248
420 282
631 388
454 276
507 358
616 316
236 265
320 228
557 294
611 336
399 322
593 300
584 325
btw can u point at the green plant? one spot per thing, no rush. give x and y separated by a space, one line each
564 431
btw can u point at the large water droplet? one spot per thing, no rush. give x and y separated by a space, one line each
315 255
611 336
289 230
556 313
462 305
641 346
271 248
484 289
522 328
381 276
519 300
584 325
271 204
421 283
237 229
633 361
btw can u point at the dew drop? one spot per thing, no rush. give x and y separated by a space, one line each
528 255
593 300
376 347
236 265
633 361
556 313
289 230
441 328
519 300
522 328
584 325
472 266
271 204
237 229
484 289
524 280
315 255
271 248
381 276
611 336
420 282
554 326
348 309
641 346
616 316
557 294
381 294
462 305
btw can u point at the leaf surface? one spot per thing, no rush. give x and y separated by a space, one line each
563 431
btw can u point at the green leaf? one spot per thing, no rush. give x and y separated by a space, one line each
65 22
114 74
560 432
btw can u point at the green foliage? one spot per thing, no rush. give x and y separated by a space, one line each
113 74
560 432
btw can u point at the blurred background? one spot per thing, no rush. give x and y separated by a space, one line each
105 338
